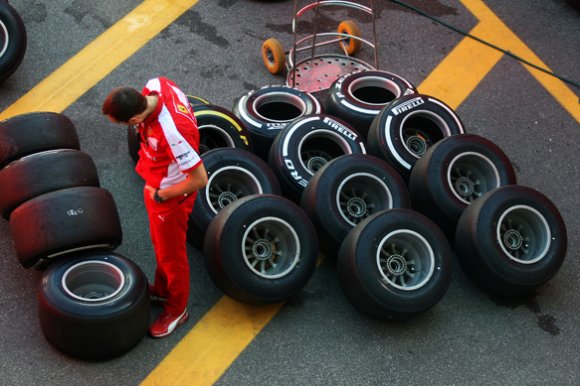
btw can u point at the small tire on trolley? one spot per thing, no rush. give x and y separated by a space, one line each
29 133
232 174
455 172
269 109
350 45
408 126
511 241
13 40
274 56
94 306
30 177
395 265
62 222
347 190
306 145
359 97
261 249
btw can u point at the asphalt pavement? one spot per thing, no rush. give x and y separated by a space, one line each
317 338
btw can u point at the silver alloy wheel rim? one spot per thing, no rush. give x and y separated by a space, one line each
405 260
6 39
313 159
418 140
271 247
470 175
360 195
93 281
523 234
229 184
206 143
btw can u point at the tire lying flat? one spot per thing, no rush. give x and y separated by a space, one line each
511 241
94 306
395 265
261 249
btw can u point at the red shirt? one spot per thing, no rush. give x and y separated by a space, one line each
170 139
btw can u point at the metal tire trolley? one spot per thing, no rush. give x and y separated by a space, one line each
317 71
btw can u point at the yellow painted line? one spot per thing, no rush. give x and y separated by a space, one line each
203 355
96 60
464 68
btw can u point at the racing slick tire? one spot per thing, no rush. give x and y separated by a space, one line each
395 265
218 127
94 306
269 109
44 172
261 249
408 126
13 40
347 190
511 241
359 97
62 222
455 172
232 174
306 145
29 133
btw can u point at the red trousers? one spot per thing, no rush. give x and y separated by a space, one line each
168 228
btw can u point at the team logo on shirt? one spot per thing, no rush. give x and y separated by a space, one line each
183 109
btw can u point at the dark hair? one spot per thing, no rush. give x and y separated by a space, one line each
123 103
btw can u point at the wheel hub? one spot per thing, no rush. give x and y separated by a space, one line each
316 163
226 198
356 207
464 186
396 264
262 249
417 145
512 239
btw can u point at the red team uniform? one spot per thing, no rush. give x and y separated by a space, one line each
169 148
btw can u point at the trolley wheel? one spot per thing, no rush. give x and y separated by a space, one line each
273 56
349 27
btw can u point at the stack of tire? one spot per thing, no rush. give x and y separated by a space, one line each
93 303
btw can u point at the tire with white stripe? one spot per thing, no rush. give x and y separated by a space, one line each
408 126
261 249
269 109
232 174
395 265
511 241
29 133
30 176
347 190
306 145
62 222
13 40
358 97
94 306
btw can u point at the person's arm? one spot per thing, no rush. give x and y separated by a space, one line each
196 180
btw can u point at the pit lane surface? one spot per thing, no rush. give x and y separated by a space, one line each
212 50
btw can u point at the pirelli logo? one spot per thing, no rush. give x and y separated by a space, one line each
409 105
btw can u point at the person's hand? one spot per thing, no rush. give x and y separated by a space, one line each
151 190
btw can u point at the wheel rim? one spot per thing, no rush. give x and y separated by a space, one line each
470 175
405 260
229 184
523 234
360 195
212 137
4 39
279 107
420 130
93 281
319 147
271 248
374 90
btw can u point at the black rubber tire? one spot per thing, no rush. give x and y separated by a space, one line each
232 174
94 306
407 127
44 172
307 144
347 190
219 127
13 40
384 249
359 97
511 241
196 101
29 133
267 110
62 222
453 173
271 226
